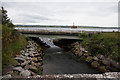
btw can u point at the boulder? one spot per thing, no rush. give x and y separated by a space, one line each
31 55
34 59
80 54
25 63
95 64
28 47
27 67
102 69
36 55
83 58
89 59
33 68
86 54
33 74
39 59
7 76
20 69
26 54
95 58
20 60
25 73
106 62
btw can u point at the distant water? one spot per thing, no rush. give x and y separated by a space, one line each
68 29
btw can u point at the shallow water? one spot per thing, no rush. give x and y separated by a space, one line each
56 61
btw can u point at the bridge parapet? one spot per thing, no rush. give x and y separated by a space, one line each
105 76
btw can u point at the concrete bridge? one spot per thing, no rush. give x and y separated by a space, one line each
51 31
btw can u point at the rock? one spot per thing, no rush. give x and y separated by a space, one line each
33 74
22 51
21 60
26 54
80 54
20 69
86 54
27 67
25 63
28 47
105 62
83 58
33 64
89 59
36 55
95 64
31 55
34 59
39 59
102 68
115 64
33 68
100 56
25 73
7 76
95 58
40 64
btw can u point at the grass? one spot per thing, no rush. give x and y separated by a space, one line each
107 44
12 42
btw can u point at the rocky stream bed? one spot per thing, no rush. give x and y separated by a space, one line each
29 62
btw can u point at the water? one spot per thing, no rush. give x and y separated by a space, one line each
66 29
56 61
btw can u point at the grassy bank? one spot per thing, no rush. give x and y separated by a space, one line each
107 44
12 43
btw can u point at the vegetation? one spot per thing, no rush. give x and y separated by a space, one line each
12 40
83 35
107 44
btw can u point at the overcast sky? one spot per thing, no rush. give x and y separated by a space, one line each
63 13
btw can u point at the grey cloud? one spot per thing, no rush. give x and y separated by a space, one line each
63 12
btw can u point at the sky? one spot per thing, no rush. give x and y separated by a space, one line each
88 13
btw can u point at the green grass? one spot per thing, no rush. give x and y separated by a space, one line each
12 43
107 44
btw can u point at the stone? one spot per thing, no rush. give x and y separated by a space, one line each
7 76
100 56
86 54
102 69
95 58
25 73
80 54
95 64
106 62
39 59
25 63
34 59
31 55
20 69
83 58
89 59
19 59
28 47
36 55
27 67
33 68
32 63
26 54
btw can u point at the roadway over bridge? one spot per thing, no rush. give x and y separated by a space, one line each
50 31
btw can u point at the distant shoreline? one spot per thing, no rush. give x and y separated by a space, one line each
60 26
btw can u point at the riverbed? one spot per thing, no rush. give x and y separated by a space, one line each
56 61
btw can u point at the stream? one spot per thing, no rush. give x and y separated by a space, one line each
56 61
